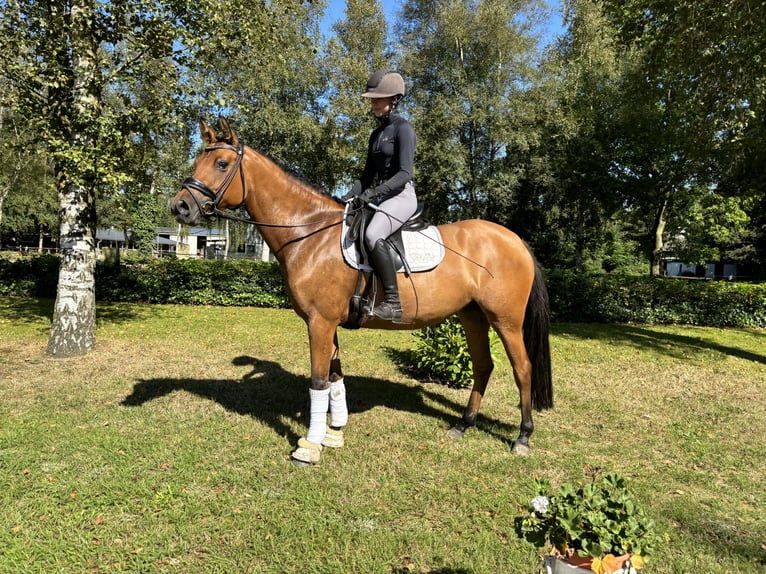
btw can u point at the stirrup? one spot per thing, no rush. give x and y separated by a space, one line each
388 312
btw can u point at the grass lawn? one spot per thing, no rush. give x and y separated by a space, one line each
166 449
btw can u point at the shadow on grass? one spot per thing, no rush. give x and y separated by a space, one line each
671 344
26 309
273 396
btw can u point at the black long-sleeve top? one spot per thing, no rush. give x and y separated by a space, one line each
390 158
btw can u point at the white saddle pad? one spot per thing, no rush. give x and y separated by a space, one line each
423 249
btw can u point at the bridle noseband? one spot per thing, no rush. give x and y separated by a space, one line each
210 208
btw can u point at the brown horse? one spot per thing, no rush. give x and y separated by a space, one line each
488 278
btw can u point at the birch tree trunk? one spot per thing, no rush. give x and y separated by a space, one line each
660 220
73 329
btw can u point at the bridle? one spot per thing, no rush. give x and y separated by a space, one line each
210 209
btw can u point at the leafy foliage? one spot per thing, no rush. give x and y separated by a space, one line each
609 298
194 282
440 354
29 276
596 518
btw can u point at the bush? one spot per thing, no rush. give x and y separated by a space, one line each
584 298
29 276
194 282
441 354
575 297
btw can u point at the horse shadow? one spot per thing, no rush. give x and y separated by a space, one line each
275 397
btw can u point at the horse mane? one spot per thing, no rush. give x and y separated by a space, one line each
294 176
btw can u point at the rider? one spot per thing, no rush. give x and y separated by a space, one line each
390 158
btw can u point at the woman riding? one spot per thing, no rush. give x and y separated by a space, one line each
390 159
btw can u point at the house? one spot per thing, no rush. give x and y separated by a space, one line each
111 238
212 243
726 271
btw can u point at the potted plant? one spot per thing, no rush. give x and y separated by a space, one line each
596 526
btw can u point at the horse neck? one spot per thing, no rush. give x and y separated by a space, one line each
275 197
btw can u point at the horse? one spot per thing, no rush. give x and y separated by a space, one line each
500 285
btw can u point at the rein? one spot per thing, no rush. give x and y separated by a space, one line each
210 209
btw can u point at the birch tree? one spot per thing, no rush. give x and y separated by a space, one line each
63 58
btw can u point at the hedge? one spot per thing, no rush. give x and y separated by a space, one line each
577 298
180 281
583 298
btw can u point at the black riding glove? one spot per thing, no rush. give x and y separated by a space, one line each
368 195
355 190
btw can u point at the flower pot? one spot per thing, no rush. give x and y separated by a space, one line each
553 565
578 565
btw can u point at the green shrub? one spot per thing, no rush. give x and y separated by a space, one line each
194 282
575 297
585 298
29 276
441 354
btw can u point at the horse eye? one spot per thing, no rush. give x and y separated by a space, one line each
221 164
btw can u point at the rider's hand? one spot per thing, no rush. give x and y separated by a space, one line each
368 195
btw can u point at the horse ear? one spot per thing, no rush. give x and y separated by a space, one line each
226 132
207 133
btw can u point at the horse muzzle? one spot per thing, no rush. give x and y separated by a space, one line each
185 209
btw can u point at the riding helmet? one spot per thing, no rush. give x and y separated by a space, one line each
384 84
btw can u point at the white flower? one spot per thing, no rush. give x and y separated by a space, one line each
540 504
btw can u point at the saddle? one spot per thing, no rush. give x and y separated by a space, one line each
417 246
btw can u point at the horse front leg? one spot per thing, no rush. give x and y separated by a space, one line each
323 344
338 405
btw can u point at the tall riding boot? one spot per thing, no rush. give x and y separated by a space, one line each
390 309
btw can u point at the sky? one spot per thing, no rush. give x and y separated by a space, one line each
336 8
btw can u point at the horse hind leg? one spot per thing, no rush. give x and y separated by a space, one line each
513 342
476 327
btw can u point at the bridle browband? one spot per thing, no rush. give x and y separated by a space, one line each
210 209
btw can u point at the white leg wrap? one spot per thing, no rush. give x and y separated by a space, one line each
338 406
320 402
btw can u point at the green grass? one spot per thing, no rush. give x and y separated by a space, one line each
166 449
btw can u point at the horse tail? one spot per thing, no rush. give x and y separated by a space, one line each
537 326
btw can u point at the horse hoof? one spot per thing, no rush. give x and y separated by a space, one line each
455 433
521 449
307 453
333 438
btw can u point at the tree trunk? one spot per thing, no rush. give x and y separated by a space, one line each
73 327
658 229
74 314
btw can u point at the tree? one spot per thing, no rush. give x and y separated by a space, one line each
23 168
470 63
575 107
65 60
689 110
358 48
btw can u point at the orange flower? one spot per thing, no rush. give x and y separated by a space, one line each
606 565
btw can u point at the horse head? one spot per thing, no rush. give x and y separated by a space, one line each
211 189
